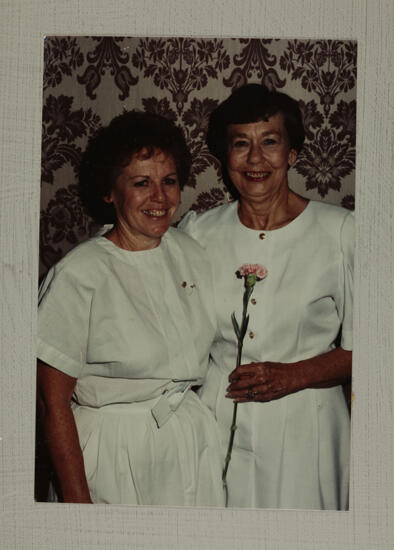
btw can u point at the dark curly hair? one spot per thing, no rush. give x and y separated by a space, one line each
252 103
111 149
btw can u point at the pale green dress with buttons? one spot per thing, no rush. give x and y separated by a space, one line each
135 329
292 452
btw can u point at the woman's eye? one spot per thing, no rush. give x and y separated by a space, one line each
140 183
240 143
170 181
269 141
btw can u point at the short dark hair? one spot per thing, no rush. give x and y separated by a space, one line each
252 103
111 149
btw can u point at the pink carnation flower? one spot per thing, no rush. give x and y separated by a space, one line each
252 269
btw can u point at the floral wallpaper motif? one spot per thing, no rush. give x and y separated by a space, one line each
63 221
89 80
62 56
326 67
107 56
254 60
180 65
324 161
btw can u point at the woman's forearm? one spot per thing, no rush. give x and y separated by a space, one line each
62 441
54 392
324 371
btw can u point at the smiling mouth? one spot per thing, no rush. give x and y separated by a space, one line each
257 176
155 213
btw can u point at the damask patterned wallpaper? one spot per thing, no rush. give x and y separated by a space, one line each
89 80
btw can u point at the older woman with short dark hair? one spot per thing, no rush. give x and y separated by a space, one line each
291 446
125 328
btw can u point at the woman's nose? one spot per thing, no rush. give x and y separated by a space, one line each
158 193
255 154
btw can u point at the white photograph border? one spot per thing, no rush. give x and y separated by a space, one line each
28 525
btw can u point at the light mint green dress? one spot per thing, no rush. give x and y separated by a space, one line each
135 329
292 452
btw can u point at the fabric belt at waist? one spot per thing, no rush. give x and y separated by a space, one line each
171 399
162 402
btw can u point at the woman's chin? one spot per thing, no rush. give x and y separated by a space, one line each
159 230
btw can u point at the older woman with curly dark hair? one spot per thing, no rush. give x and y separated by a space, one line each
125 328
291 446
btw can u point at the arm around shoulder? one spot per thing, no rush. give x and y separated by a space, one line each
187 223
348 239
346 284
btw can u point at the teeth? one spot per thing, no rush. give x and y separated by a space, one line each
155 213
256 174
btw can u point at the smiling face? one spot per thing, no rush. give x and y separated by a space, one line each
258 157
146 196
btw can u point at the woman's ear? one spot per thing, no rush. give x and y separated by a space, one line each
108 199
292 157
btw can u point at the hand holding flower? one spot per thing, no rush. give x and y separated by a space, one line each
263 381
266 381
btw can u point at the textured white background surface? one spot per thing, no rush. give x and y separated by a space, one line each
26 525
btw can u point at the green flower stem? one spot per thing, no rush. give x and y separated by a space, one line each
249 286
229 451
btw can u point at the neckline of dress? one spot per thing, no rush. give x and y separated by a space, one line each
280 231
129 255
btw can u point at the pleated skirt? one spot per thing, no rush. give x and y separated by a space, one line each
129 460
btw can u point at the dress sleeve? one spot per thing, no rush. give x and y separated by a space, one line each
347 249
63 322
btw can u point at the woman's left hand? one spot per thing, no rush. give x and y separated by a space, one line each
262 381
